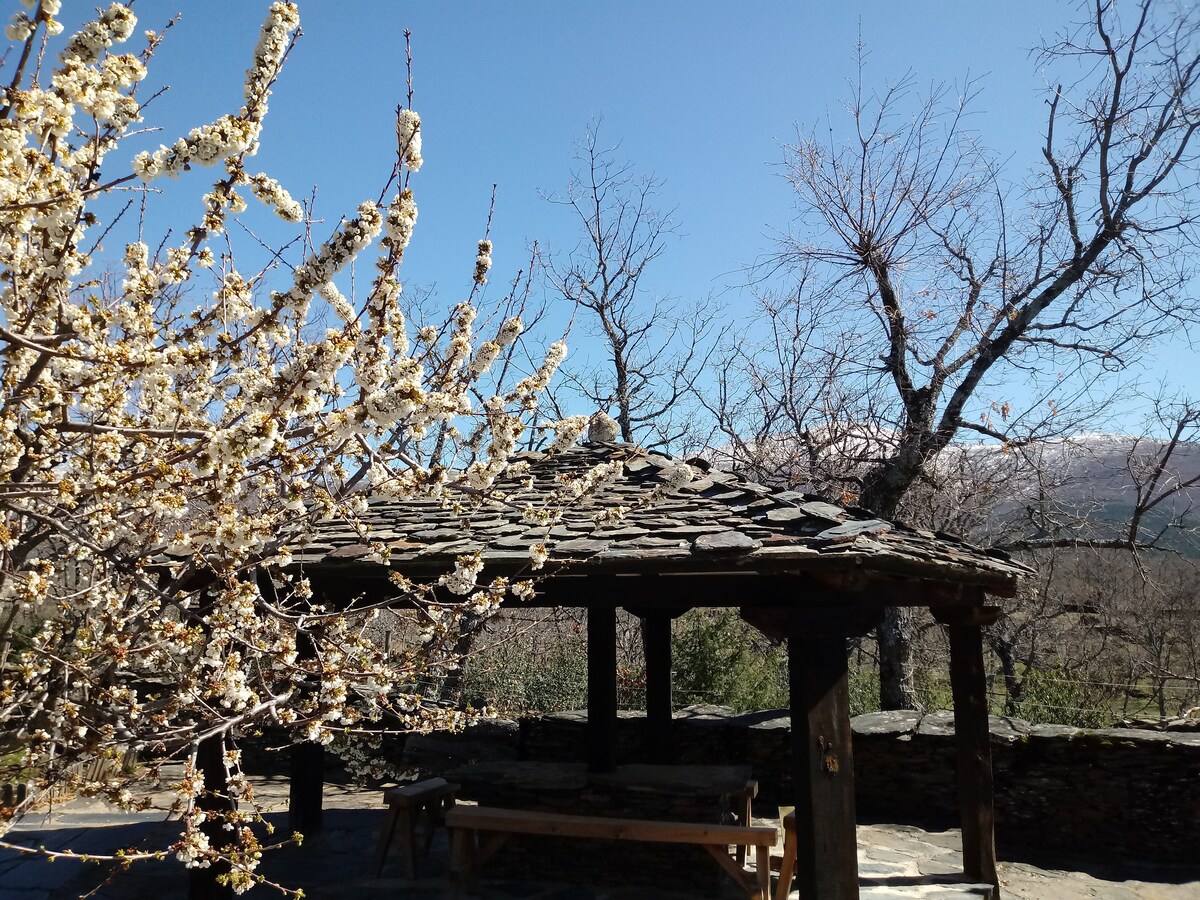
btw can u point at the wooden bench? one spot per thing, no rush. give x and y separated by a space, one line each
787 866
739 803
434 797
468 852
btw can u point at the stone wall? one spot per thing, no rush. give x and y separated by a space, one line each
1117 794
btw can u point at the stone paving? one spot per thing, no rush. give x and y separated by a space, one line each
896 863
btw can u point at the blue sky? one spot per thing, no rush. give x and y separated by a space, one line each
699 93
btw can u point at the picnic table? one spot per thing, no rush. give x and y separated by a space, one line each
698 795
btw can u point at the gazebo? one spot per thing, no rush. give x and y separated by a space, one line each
657 536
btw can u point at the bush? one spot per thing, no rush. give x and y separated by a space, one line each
514 677
1065 697
718 658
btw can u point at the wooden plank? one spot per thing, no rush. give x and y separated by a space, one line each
419 792
656 637
974 752
602 689
520 821
827 844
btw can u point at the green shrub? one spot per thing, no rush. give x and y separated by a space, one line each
718 658
1064 697
864 690
513 677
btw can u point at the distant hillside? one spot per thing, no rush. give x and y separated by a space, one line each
1085 487
1093 481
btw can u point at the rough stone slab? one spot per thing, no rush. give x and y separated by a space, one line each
937 724
854 529
786 514
350 551
725 542
822 510
896 721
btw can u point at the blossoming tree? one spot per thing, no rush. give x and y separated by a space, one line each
167 433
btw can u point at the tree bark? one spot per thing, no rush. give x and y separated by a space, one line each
897 686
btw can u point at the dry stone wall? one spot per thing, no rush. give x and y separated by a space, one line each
1113 793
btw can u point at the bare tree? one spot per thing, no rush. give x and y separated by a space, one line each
942 288
655 348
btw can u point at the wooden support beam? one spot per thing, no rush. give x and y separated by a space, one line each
845 620
967 615
306 783
306 787
823 766
656 639
210 759
974 750
602 689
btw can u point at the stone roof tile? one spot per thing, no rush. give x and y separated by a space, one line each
716 518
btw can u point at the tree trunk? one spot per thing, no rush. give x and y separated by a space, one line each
897 689
1013 686
883 489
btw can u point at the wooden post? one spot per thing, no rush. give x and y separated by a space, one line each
973 742
823 764
305 787
602 689
656 628
307 774
210 758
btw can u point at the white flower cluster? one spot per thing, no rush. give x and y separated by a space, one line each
333 256
538 554
283 18
230 135
171 431
678 475
483 262
272 193
466 571
529 387
400 220
408 138
206 145
22 25
114 26
567 432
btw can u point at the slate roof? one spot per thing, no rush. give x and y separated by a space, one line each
717 521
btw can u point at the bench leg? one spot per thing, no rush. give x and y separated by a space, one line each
385 838
462 863
762 871
408 837
437 817
787 868
743 814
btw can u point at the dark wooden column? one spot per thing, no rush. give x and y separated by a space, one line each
602 688
973 741
306 782
823 763
656 641
210 758
306 787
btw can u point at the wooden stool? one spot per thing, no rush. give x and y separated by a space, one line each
739 805
405 804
